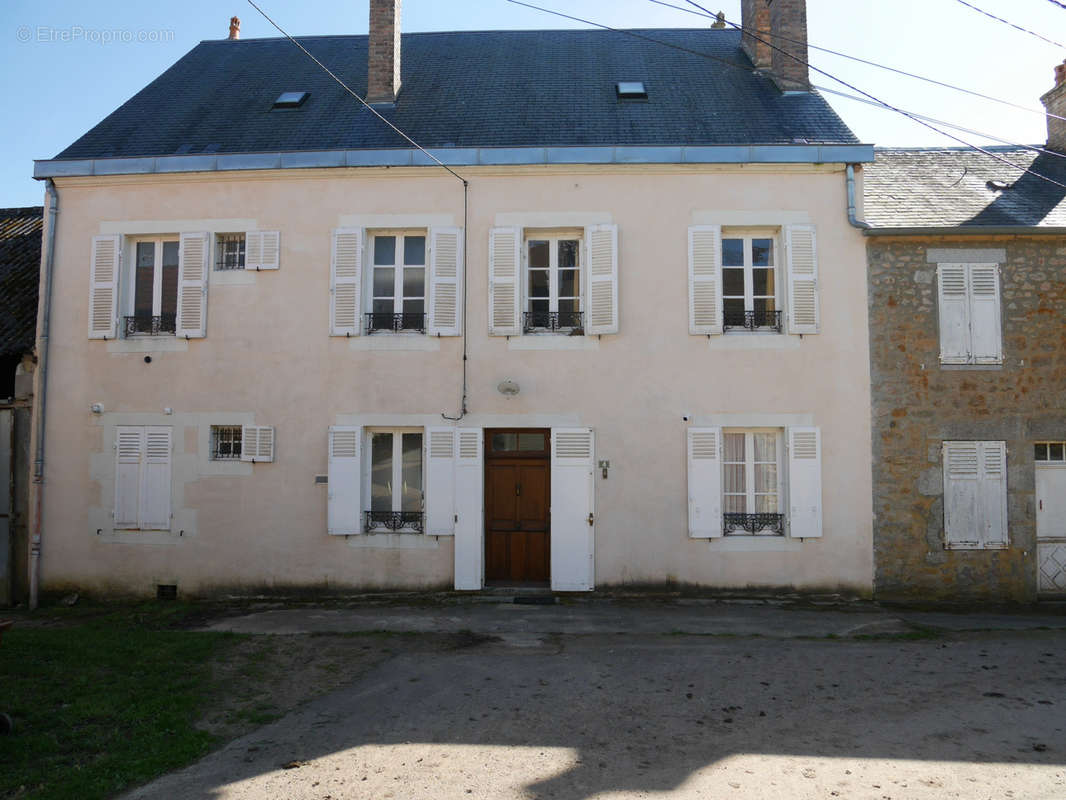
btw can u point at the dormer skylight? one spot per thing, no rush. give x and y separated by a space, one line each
631 90
291 99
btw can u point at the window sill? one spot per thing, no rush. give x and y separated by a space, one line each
552 341
137 536
396 341
148 344
755 544
411 540
754 340
971 367
231 277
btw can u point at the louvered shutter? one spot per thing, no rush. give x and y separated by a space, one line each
193 255
445 281
962 490
268 250
804 482
469 510
257 443
104 266
346 268
704 483
705 279
572 505
505 279
440 481
129 453
601 303
954 306
993 495
155 479
986 341
803 303
253 249
344 512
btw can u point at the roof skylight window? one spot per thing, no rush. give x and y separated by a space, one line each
631 90
291 99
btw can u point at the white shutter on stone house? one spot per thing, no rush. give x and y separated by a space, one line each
801 245
105 264
601 301
975 495
704 482
257 443
193 255
469 509
345 274
440 481
705 279
262 250
129 454
572 507
804 482
954 308
344 510
445 281
505 281
994 495
155 478
985 329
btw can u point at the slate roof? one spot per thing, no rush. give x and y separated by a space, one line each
470 89
20 264
949 187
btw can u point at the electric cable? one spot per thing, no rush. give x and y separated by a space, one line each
1008 22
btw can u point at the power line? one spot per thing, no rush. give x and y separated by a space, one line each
1008 22
1057 3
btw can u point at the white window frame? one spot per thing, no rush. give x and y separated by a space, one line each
130 301
747 235
1047 459
749 475
398 268
242 251
397 469
553 236
214 434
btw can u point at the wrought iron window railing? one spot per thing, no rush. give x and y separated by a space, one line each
752 320
144 325
411 521
753 524
377 322
572 321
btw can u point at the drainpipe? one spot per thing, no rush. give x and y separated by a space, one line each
42 388
856 223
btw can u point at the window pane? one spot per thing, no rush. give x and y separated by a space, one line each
568 282
538 254
567 253
383 306
381 472
765 447
733 311
762 252
384 282
414 250
145 273
504 442
414 282
531 442
733 477
1054 451
412 472
538 283
766 477
763 306
169 300
732 252
414 307
539 307
568 307
732 282
735 504
385 250
762 282
1041 452
766 504
734 447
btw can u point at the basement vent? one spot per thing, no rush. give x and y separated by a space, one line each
166 591
291 99
631 90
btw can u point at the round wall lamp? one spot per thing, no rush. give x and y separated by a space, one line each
508 388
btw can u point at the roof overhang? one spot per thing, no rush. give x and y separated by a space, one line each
969 230
460 157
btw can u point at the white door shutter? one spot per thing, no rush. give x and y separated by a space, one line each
155 479
105 263
804 482
954 306
445 281
962 478
469 510
572 490
262 250
985 330
129 453
440 481
505 281
257 443
803 304
993 495
344 510
345 274
601 304
704 279
704 482
193 256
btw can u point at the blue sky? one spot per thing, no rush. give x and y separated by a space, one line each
64 65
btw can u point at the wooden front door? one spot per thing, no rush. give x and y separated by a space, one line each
517 493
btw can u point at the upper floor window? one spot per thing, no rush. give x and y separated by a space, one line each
154 299
230 251
553 284
749 281
969 303
397 282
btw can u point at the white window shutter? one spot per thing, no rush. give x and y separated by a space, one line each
345 274
954 307
129 455
469 510
257 443
704 483
344 506
572 506
193 255
104 267
505 281
985 329
253 249
801 245
155 479
705 279
993 495
805 482
601 302
962 479
445 281
262 250
440 481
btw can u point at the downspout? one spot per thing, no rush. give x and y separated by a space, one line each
855 223
42 389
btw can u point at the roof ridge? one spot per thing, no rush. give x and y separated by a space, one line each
464 33
22 211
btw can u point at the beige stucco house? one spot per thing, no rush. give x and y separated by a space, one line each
621 339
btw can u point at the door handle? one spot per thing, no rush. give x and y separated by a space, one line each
518 490
1041 505
591 518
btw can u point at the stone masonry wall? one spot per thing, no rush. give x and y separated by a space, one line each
917 404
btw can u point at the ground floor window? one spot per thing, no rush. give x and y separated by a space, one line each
1050 452
225 442
751 490
395 480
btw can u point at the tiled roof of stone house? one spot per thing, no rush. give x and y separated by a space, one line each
20 265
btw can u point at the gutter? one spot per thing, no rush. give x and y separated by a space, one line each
970 230
852 220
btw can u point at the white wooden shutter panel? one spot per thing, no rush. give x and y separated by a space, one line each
962 479
129 453
469 510
105 264
993 495
344 512
257 443
155 479
572 505
985 329
193 254
505 281
345 275
805 482
601 305
445 281
440 481
704 482
804 315
262 250
705 279
253 249
954 307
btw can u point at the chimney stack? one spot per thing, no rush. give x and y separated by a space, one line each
1055 103
383 60
782 24
755 20
234 28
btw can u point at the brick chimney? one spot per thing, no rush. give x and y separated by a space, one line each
783 24
234 28
755 19
1055 103
383 61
